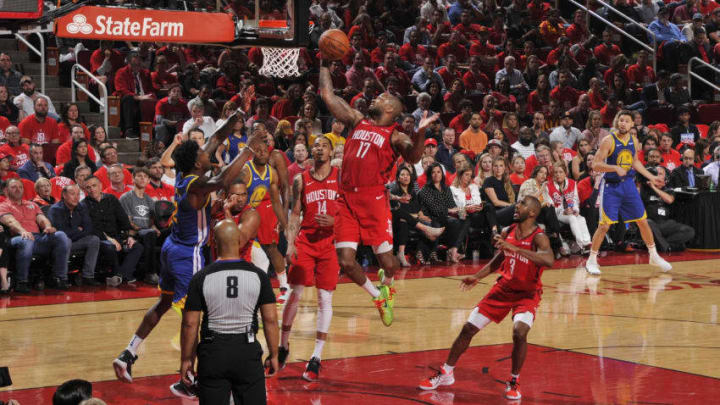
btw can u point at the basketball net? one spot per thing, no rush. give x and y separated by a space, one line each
280 62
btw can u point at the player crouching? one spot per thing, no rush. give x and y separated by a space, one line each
311 250
523 253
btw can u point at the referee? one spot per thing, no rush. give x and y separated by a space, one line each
229 293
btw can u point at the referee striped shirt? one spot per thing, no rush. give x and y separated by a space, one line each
229 293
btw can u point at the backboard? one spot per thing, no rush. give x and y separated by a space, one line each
271 23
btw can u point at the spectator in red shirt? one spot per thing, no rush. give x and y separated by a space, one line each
64 151
539 99
288 105
607 50
355 49
578 32
39 128
161 78
452 47
564 93
610 109
468 30
171 112
551 29
174 55
117 182
474 79
597 94
105 61
5 172
377 56
133 84
450 71
389 69
19 151
670 157
357 74
110 158
412 52
461 121
641 74
156 189
562 49
226 85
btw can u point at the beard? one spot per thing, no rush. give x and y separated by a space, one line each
525 141
29 92
374 112
41 114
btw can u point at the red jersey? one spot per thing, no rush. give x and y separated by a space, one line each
38 132
163 192
369 156
518 273
20 154
319 197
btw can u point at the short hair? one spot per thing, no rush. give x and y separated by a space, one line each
423 96
105 149
150 162
465 103
185 156
39 181
536 170
262 101
35 145
196 130
174 85
72 392
68 187
91 177
81 167
139 170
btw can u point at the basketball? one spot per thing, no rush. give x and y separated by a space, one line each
334 44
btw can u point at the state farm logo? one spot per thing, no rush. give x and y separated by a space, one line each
79 25
126 27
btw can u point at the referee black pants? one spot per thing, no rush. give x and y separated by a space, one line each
230 364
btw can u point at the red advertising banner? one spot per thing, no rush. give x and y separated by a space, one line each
122 24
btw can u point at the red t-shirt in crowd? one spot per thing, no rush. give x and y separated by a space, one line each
38 132
458 50
116 193
64 132
20 154
412 54
164 192
567 96
643 77
102 175
25 213
4 123
671 159
459 125
57 184
605 53
476 81
174 112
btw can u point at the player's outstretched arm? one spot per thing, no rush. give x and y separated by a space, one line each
494 264
220 134
337 106
278 162
295 213
272 335
412 147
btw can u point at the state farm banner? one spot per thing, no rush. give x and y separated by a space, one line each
122 24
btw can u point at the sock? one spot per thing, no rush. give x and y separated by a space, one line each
317 353
389 280
134 344
515 377
282 278
652 250
371 289
593 256
285 338
448 369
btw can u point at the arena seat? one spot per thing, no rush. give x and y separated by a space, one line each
660 115
707 113
50 151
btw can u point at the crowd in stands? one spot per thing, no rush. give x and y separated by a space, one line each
525 92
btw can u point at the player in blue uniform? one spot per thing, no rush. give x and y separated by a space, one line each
181 255
617 157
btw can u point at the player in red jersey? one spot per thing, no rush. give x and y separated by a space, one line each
371 150
523 253
236 208
311 251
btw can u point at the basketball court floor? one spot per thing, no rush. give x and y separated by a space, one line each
631 336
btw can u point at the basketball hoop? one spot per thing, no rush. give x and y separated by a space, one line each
280 62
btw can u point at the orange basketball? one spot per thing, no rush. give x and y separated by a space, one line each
334 44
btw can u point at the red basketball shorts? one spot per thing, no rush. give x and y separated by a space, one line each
268 231
316 262
498 303
364 217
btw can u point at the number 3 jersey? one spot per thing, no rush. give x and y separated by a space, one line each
518 273
368 157
319 197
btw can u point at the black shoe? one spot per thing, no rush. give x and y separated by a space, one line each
123 366
130 280
90 282
151 279
312 371
4 292
40 285
22 287
283 354
60 284
131 134
179 389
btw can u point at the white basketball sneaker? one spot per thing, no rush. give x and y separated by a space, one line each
592 267
441 378
656 260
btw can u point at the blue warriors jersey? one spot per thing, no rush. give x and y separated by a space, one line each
622 154
233 145
189 226
259 185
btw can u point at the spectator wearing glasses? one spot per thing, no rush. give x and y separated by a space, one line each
13 147
33 233
117 181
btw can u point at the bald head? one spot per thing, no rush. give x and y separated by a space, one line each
227 235
533 205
